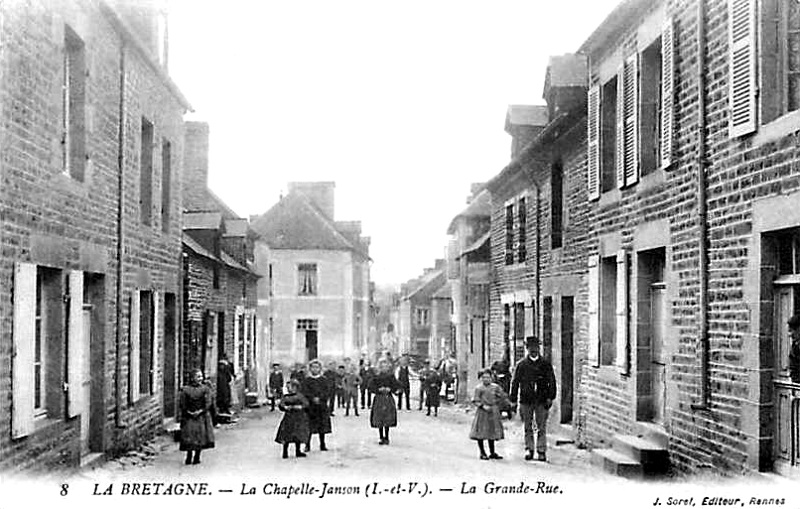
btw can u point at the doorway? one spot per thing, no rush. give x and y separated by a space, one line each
170 354
93 366
567 357
651 342
311 345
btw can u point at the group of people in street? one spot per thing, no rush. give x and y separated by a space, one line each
313 393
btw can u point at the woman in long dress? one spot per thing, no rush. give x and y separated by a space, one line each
317 390
197 430
486 425
383 414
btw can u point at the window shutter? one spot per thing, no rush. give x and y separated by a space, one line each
631 127
593 135
23 338
135 338
742 23
593 353
622 312
667 92
236 366
76 348
619 153
154 354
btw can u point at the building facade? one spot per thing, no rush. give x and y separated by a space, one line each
90 202
468 273
220 281
316 296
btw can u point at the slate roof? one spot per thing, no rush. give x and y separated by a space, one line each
295 223
430 282
201 220
224 257
445 292
483 239
566 71
236 227
480 206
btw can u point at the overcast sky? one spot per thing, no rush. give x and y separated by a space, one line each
401 103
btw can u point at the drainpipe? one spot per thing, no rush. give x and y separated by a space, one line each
120 232
702 212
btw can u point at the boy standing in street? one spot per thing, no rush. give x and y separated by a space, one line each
275 385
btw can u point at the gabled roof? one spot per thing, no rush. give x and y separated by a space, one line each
295 223
201 220
430 282
567 70
480 206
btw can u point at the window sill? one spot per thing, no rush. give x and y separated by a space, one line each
609 373
42 423
777 129
653 179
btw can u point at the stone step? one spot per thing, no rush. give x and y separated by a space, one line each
653 457
652 432
616 463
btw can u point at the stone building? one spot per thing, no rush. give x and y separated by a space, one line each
423 317
315 298
468 274
90 228
220 281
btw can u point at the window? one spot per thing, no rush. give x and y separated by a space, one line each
146 173
608 311
166 184
608 135
523 225
510 234
307 278
780 61
630 118
507 331
650 127
73 107
38 370
422 317
556 204
547 327
781 249
146 342
271 281
307 324
215 275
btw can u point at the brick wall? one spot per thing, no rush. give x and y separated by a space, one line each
52 219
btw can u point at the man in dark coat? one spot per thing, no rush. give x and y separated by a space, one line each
224 378
331 376
535 384
404 381
423 381
275 385
794 348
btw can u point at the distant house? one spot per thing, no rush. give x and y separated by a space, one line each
424 317
468 274
315 299
220 281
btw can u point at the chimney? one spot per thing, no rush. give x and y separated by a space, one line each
319 193
195 164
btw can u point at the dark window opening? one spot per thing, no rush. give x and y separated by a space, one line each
608 135
556 204
650 110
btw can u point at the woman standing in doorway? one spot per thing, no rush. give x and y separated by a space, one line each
383 414
197 430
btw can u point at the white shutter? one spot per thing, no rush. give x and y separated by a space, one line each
631 119
593 353
76 354
236 366
156 327
593 136
622 312
619 152
742 27
135 346
22 360
667 92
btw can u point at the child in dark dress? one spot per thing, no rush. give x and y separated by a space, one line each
293 428
317 389
383 414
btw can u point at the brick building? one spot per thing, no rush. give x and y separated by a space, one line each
679 246
220 281
468 274
90 227
315 298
